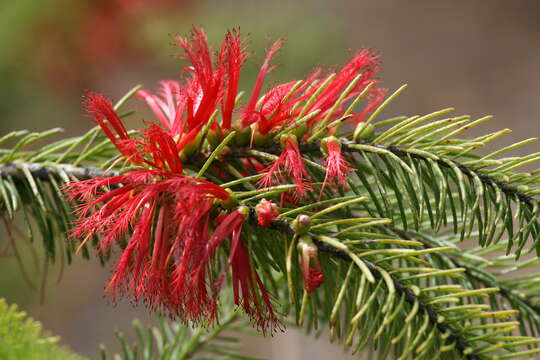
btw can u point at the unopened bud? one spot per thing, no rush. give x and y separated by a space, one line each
231 201
267 212
301 224
363 131
243 135
312 274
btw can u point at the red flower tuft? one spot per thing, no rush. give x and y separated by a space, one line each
249 112
365 65
249 291
168 106
337 167
233 57
144 195
103 112
205 88
164 262
168 225
289 164
267 212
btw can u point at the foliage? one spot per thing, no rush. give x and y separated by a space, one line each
21 338
176 341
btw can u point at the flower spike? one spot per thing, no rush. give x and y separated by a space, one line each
169 226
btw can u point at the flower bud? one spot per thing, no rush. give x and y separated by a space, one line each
301 224
214 137
231 201
243 135
267 212
363 131
309 262
325 141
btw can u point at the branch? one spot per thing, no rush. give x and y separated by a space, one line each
402 152
475 273
16 171
285 226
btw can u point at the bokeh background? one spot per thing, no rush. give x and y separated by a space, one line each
482 57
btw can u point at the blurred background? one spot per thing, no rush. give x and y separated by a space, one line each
482 57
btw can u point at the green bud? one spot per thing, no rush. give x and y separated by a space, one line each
191 147
363 131
258 138
300 130
243 135
283 138
214 137
522 188
243 210
301 224
231 202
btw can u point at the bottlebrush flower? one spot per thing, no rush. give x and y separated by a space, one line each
277 106
211 85
337 167
186 108
250 293
232 56
363 68
165 260
250 115
309 262
167 225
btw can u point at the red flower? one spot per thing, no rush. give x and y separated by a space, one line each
187 108
267 212
337 167
169 226
289 164
168 106
364 65
102 111
249 291
249 111
277 106
135 200
165 260
233 56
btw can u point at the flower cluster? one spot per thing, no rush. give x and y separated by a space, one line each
169 225
170 216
